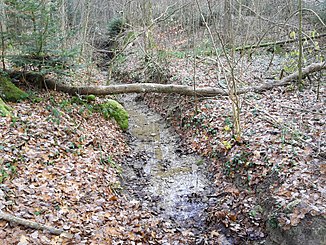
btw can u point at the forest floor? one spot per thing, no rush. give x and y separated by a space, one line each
276 175
61 162
61 166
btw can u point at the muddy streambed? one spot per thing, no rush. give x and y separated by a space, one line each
173 185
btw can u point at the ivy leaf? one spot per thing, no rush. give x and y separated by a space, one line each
292 34
227 145
227 128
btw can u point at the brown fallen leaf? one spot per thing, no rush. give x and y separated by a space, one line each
232 217
215 234
221 214
113 231
113 198
23 240
233 191
323 169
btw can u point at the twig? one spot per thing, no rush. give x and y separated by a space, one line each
34 225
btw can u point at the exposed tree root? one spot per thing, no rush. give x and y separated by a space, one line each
33 225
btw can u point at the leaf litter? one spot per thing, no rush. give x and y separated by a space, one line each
61 166
277 172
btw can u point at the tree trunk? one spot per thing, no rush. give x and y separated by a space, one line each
227 24
300 58
166 88
3 30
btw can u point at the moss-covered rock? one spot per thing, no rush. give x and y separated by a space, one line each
4 109
9 92
90 97
114 109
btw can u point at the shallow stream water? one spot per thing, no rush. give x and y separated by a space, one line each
172 184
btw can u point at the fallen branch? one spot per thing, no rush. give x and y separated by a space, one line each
166 88
286 80
282 42
33 225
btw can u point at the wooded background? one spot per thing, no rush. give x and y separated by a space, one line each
50 33
51 42
61 36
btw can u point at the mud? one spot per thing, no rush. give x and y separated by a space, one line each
174 185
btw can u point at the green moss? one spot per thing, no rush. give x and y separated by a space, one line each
112 108
9 92
4 109
90 98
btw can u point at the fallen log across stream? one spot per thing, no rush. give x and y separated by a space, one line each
167 88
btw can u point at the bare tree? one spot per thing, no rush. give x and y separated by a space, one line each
3 30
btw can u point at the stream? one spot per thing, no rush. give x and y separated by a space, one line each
172 184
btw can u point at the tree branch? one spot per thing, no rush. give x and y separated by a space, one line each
262 45
34 225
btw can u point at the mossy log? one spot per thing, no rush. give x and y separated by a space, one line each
4 109
9 92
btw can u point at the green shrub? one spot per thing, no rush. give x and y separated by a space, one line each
116 26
